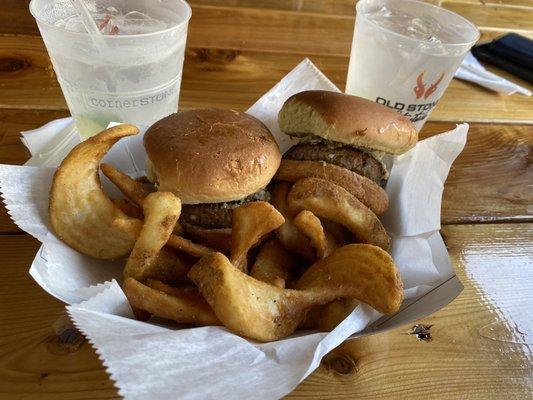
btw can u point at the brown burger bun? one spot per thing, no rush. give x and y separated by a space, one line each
210 155
347 119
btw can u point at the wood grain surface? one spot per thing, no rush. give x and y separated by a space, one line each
237 50
43 358
249 52
477 351
236 79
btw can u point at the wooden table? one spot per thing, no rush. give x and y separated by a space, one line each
237 49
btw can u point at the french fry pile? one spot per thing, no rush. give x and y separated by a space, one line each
292 264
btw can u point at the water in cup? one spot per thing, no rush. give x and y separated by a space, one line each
130 72
405 53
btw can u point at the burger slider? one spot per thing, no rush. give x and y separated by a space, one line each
343 139
214 160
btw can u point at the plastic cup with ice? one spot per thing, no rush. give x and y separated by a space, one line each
405 53
129 71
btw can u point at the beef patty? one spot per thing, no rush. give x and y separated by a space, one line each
343 156
217 215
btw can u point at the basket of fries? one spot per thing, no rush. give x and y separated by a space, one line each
248 294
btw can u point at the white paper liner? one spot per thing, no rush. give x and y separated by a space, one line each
147 360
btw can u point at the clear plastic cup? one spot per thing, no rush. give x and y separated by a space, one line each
129 73
405 53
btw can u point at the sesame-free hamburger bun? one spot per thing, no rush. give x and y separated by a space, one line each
347 119
210 155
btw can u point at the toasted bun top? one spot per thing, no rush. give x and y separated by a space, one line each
347 119
211 155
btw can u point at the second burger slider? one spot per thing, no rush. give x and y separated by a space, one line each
343 139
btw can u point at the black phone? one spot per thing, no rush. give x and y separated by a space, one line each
512 53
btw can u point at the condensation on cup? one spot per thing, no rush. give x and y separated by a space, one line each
405 53
131 72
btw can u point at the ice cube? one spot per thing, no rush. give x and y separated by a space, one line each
134 23
72 24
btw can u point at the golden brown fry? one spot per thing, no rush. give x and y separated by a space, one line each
132 189
273 264
187 246
332 314
328 316
164 302
127 208
328 200
246 306
365 190
310 320
340 234
82 215
310 225
143 179
251 222
170 267
359 271
161 211
288 234
265 312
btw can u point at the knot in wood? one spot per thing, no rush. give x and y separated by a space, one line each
12 64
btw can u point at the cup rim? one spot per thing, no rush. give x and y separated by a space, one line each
115 37
427 5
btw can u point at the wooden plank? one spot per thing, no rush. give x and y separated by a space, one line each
289 31
509 3
12 122
42 355
27 79
253 28
17 19
494 18
472 353
270 30
304 33
236 79
339 7
477 351
489 179
488 182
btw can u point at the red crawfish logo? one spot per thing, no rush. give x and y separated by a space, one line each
420 88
